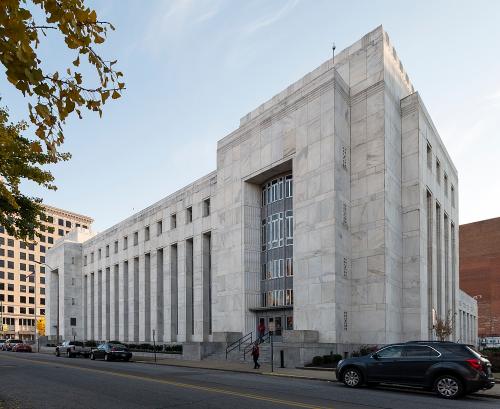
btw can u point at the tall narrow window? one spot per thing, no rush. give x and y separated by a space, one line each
173 221
107 250
116 246
288 186
206 207
439 259
159 227
136 238
146 233
430 284
346 267
344 157
189 214
125 243
452 192
445 179
289 227
345 220
429 156
438 171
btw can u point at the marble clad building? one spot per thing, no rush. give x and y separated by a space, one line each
332 217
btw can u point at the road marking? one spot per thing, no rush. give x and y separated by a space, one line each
178 384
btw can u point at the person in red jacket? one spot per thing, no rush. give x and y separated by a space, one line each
255 355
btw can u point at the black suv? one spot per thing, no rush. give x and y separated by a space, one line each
450 369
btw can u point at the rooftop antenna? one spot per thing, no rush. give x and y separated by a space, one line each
333 52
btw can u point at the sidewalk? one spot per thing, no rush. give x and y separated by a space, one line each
265 369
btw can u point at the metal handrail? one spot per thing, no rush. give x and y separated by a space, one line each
260 340
237 344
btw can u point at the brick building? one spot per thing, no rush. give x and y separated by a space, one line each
20 264
480 271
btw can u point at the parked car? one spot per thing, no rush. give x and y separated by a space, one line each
450 369
22 347
111 352
2 343
72 349
9 344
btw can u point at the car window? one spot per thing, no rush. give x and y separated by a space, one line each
421 351
390 352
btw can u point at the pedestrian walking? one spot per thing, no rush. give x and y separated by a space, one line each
262 330
255 355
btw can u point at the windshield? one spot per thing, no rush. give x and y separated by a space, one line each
118 346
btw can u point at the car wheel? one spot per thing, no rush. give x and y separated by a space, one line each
126 359
448 387
107 357
92 356
352 378
58 353
68 354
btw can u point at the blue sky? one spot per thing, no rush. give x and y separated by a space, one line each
193 68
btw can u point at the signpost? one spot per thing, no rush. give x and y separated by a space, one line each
154 344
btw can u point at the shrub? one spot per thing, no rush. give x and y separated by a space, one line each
327 359
336 358
317 360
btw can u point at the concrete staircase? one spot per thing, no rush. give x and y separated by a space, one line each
243 353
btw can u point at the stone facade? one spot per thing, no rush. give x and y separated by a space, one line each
315 222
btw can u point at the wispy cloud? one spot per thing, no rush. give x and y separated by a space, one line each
172 20
270 18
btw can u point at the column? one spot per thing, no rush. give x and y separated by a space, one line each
99 305
157 294
145 298
174 292
135 316
92 306
85 306
124 304
207 284
107 304
189 290
115 302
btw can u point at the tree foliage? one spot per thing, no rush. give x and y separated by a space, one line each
21 159
52 96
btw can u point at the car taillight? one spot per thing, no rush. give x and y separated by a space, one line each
475 363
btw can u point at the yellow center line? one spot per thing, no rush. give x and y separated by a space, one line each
178 384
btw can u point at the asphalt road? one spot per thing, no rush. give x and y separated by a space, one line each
43 381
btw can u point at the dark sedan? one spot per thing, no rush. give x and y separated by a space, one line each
450 369
111 352
22 348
